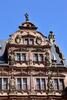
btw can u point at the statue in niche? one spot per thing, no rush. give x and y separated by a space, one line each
50 85
12 84
47 61
11 57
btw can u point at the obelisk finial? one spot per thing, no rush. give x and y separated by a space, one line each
27 17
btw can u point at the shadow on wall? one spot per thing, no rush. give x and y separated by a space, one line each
64 94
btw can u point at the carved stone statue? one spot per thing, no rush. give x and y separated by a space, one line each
12 84
27 17
47 61
11 58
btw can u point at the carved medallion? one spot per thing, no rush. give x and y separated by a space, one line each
18 39
38 40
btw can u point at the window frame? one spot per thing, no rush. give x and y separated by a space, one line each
62 84
39 58
56 88
40 84
4 86
24 84
22 57
43 85
28 40
21 86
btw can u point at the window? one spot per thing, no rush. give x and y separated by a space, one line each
23 57
36 57
26 42
21 83
0 83
38 86
56 84
19 86
43 85
18 57
24 83
61 84
40 57
31 41
5 83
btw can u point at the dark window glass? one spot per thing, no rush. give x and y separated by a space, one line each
36 57
56 87
43 85
23 57
19 86
61 84
38 86
40 57
24 83
31 42
26 42
5 83
18 57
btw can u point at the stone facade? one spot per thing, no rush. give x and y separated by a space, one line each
32 66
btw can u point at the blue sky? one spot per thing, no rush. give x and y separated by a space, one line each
47 15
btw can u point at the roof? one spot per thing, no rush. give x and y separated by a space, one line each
27 25
2 51
56 54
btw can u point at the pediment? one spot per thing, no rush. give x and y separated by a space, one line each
29 35
21 73
58 75
18 36
3 73
21 49
38 50
39 74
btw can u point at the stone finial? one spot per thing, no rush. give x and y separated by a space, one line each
51 37
26 17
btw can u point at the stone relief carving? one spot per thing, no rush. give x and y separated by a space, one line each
11 56
12 84
47 59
